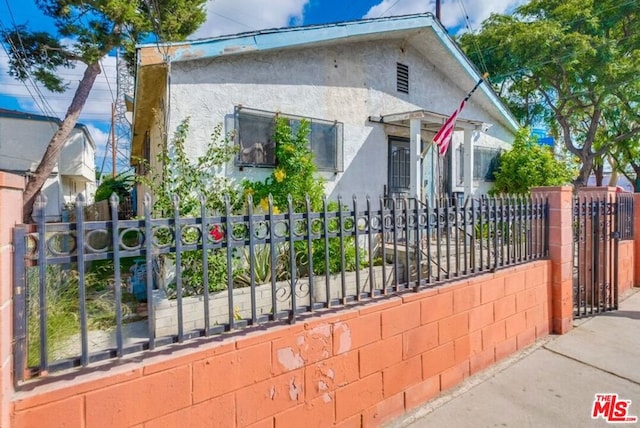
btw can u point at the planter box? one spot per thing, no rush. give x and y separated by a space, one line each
166 310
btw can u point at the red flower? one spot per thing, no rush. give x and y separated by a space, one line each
217 234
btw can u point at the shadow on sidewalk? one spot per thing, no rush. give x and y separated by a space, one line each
634 315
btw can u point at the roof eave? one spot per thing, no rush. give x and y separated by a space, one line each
266 40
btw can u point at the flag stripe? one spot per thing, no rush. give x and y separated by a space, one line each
443 137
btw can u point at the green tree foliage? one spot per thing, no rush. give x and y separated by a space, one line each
121 185
529 164
570 63
95 28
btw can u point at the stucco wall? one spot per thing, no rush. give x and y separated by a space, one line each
357 367
347 82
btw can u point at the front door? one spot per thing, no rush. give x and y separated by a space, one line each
399 169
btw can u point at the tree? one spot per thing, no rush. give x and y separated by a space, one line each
528 164
575 59
95 27
121 185
624 156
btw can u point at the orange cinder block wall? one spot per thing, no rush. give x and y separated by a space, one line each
357 367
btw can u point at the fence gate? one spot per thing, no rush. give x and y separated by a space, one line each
599 223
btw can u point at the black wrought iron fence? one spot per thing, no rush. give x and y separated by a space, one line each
599 222
93 290
625 208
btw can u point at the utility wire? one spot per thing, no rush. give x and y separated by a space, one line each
45 104
465 15
389 8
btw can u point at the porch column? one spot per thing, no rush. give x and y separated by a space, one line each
468 163
415 148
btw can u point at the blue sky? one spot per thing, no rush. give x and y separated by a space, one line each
223 17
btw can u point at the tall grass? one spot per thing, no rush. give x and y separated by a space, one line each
62 300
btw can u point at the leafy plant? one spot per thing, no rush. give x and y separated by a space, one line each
262 269
529 164
294 175
193 273
188 182
121 185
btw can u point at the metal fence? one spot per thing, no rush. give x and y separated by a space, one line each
206 275
598 224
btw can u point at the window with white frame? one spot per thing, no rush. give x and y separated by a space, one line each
257 148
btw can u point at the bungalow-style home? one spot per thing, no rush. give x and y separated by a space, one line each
23 140
376 91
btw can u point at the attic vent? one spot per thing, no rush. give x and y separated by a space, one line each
403 78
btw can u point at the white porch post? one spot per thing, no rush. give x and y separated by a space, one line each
468 163
415 148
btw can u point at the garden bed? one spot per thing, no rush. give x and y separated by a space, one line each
166 310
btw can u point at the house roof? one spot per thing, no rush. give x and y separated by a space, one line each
423 31
15 114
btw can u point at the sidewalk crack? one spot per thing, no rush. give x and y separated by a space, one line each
590 365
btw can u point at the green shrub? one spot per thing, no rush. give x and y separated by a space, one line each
529 164
121 185
294 175
189 180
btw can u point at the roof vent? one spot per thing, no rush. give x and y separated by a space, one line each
402 74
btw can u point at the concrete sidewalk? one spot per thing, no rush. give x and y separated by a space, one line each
551 384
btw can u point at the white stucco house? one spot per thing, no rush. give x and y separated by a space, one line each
23 140
376 91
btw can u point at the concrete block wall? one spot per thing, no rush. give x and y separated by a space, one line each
626 263
11 189
358 367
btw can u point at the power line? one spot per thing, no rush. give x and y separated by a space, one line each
45 105
389 8
465 15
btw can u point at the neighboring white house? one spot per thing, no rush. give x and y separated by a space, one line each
376 92
23 140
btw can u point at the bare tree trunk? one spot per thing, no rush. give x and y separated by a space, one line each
52 154
585 171
615 173
598 171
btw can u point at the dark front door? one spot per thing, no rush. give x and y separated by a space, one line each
399 178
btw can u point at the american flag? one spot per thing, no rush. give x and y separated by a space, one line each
443 137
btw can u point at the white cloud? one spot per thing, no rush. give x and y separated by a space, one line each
100 138
452 11
96 114
236 16
44 102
